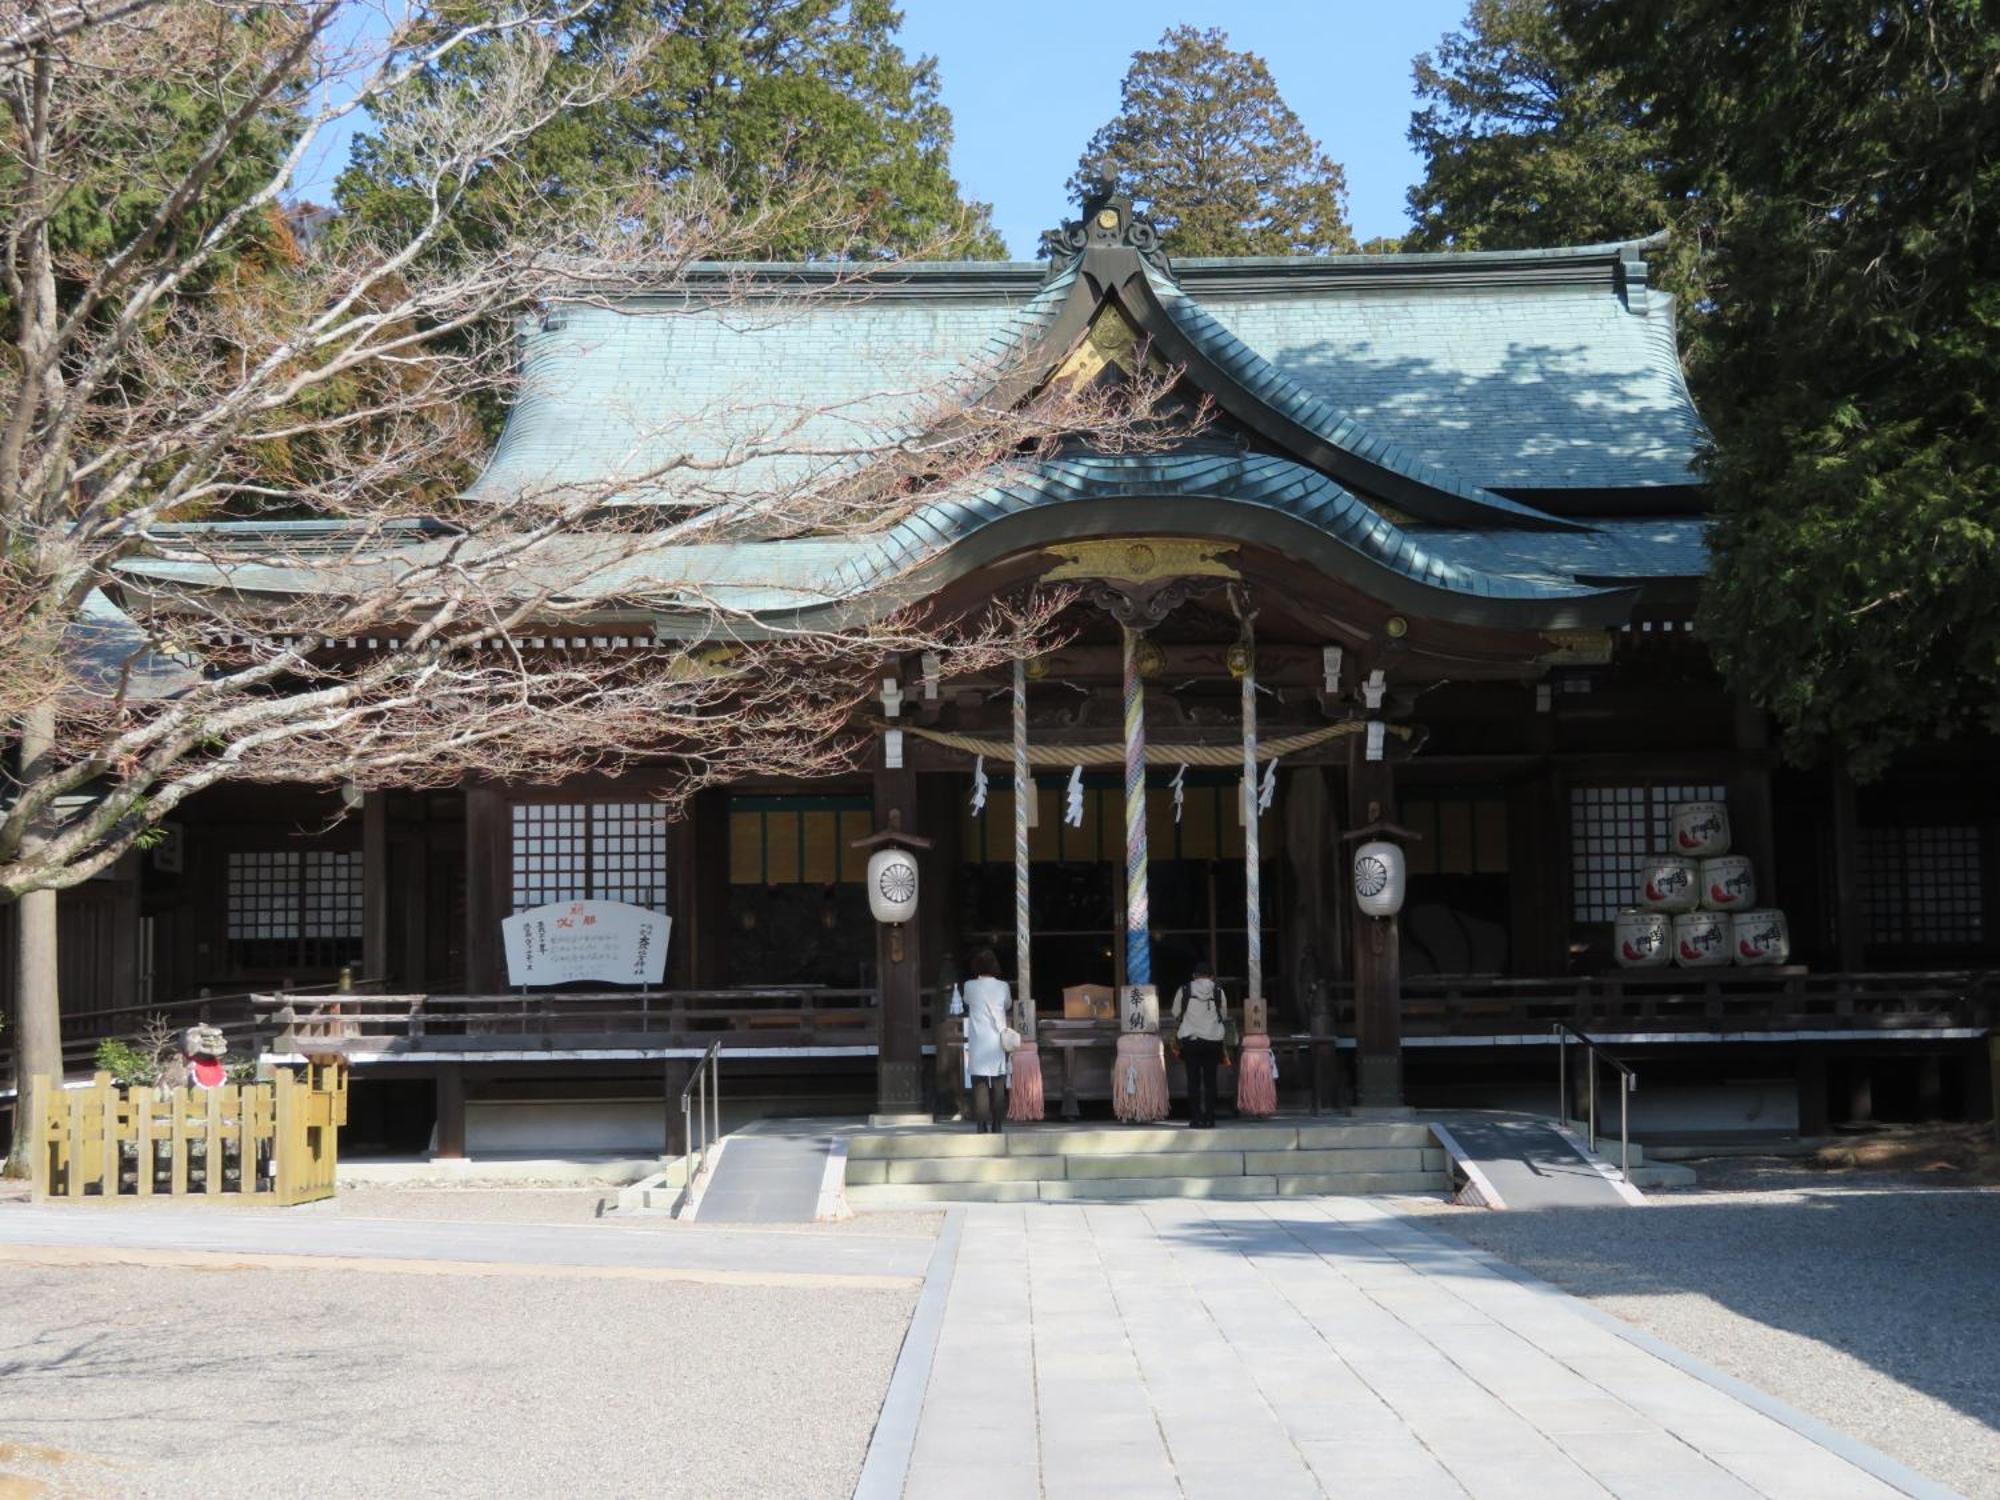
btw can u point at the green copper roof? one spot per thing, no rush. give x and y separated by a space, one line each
1533 579
1541 370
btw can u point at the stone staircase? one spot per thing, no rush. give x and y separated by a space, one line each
1062 1163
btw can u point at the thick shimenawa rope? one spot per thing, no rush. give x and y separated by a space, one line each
1256 1084
1024 789
1112 753
1025 1096
1251 872
1138 916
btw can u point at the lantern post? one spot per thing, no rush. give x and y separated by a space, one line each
894 887
1379 876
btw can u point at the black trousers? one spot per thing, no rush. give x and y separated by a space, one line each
1202 1059
989 1102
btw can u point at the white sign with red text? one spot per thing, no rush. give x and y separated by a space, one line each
597 942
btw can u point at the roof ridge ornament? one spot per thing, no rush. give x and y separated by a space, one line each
1108 223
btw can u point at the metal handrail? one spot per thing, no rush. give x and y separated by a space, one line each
701 1115
1627 1082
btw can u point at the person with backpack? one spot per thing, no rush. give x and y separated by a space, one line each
1203 1013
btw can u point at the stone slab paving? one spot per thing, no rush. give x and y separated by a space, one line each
1311 1348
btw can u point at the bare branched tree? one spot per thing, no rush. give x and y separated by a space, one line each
366 616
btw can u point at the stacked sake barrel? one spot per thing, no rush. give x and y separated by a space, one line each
1698 905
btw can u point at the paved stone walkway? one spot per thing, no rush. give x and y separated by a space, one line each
1319 1347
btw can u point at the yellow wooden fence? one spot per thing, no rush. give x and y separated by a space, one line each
276 1142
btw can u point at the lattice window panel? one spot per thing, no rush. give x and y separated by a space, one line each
331 893
628 853
293 906
1923 887
569 851
263 895
1612 830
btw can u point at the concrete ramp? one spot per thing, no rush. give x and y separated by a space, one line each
1524 1162
773 1172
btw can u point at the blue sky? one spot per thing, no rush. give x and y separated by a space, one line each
1027 82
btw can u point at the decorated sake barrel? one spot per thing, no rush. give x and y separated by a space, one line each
1726 884
1701 939
1643 939
1701 829
1670 883
1760 937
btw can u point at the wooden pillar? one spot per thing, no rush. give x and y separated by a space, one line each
705 956
1848 922
450 1112
487 841
899 1084
1537 854
1751 822
1930 1087
940 798
407 908
1314 932
673 1081
375 886
1860 1091
1812 1089
1378 976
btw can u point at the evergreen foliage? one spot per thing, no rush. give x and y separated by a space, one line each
1207 147
1841 162
1523 146
133 140
763 97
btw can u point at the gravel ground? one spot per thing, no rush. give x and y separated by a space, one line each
1869 1301
568 1205
166 1382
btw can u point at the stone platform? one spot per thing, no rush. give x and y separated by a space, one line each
1069 1162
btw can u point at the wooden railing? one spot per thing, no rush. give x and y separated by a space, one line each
558 1021
276 1141
1689 1000
233 1015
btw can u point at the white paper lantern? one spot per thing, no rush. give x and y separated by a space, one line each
1670 883
1760 937
1701 829
1701 939
1727 885
892 885
1643 939
1379 878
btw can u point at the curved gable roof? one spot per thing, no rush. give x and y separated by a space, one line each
1465 372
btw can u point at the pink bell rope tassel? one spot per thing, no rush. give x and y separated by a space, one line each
1025 1103
1139 1079
1256 1077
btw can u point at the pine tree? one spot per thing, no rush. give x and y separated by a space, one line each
1523 145
804 110
1204 143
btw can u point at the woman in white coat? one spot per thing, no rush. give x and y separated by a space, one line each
987 1000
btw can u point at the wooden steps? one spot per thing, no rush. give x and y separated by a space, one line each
1059 1163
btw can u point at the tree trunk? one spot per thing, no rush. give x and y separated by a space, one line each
37 1012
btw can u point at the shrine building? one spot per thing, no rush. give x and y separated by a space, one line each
1429 559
